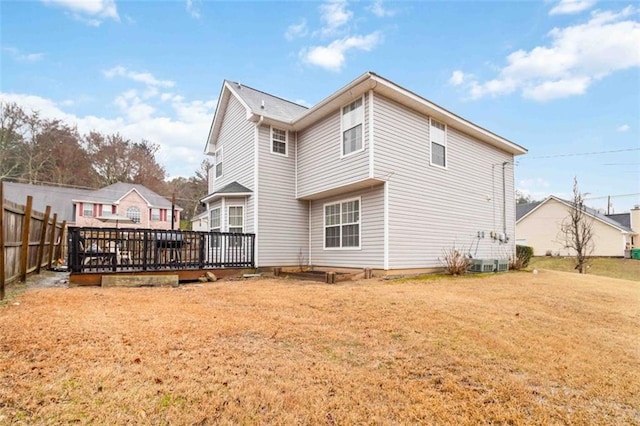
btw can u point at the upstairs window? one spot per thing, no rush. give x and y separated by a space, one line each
438 136
278 141
352 123
106 210
87 209
219 162
342 224
133 213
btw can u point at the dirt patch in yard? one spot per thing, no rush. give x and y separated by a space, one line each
514 348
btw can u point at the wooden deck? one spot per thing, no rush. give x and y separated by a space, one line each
95 279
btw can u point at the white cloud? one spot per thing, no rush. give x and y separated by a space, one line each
457 78
565 7
332 57
91 12
577 56
181 138
334 15
20 56
140 77
193 10
296 30
623 128
378 9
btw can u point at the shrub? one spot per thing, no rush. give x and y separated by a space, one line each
523 256
455 262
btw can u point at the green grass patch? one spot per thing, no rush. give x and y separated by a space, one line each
626 269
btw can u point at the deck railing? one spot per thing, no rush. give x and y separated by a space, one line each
130 250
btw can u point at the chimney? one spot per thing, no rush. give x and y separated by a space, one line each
635 218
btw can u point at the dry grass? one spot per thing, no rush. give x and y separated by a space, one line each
626 269
518 348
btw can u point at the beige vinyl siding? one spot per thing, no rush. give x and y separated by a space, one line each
430 208
320 165
370 254
283 231
541 229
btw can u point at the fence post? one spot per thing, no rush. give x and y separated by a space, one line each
52 240
43 237
24 253
63 228
2 272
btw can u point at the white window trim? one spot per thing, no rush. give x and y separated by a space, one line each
359 223
286 142
84 209
218 154
243 217
446 147
219 227
342 129
159 215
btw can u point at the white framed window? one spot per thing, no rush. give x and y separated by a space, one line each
106 210
236 219
87 209
342 224
278 141
214 219
214 223
351 126
438 137
155 214
218 162
133 213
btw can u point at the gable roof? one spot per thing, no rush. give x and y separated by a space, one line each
588 210
623 219
234 189
296 117
115 192
523 209
58 197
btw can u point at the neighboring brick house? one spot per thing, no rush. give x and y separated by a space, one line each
144 207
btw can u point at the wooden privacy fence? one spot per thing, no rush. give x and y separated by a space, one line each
29 240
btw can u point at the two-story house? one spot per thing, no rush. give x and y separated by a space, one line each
141 207
372 176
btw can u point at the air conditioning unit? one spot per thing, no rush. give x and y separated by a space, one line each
483 265
501 265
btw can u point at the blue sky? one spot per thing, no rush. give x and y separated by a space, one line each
561 78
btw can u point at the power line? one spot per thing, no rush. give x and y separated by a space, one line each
613 196
576 154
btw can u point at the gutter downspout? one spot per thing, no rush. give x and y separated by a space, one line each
504 199
256 157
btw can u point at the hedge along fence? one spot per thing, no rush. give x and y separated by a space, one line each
29 240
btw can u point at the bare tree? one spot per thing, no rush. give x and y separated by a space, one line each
577 230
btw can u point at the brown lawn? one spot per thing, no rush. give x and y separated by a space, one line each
517 348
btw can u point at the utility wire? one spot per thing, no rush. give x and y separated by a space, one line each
576 154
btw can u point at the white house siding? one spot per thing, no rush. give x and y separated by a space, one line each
371 252
236 139
541 229
432 209
320 166
283 231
